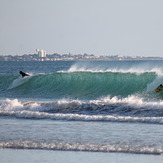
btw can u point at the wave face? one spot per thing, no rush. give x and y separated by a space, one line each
82 85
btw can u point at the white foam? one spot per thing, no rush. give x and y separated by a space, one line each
9 105
16 105
139 69
80 117
134 101
39 110
83 147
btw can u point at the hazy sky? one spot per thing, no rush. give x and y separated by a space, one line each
99 27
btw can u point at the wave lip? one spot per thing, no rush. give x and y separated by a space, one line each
118 68
83 147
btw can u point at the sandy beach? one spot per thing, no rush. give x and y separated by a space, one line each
43 156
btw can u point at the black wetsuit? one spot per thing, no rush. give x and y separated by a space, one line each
23 74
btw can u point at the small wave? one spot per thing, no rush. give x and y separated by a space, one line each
102 105
83 147
80 117
130 109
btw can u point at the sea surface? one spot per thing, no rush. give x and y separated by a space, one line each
95 106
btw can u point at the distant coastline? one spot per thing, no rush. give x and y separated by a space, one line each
72 57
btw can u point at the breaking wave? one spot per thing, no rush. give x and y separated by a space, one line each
79 85
130 109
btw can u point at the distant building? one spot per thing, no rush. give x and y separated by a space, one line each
41 53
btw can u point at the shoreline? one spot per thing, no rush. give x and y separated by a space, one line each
32 156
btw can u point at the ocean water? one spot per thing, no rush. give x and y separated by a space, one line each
97 106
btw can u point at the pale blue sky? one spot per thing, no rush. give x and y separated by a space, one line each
99 27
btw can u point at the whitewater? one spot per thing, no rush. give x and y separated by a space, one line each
97 106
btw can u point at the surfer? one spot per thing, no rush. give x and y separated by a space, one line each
23 74
160 86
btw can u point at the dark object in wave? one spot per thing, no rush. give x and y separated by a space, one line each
159 88
23 74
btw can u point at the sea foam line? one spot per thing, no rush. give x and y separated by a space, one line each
83 147
133 101
80 117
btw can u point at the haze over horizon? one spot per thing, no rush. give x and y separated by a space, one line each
99 27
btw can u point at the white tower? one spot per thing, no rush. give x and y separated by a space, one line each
41 53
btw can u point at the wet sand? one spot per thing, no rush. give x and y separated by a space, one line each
50 156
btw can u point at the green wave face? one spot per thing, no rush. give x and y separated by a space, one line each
82 85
